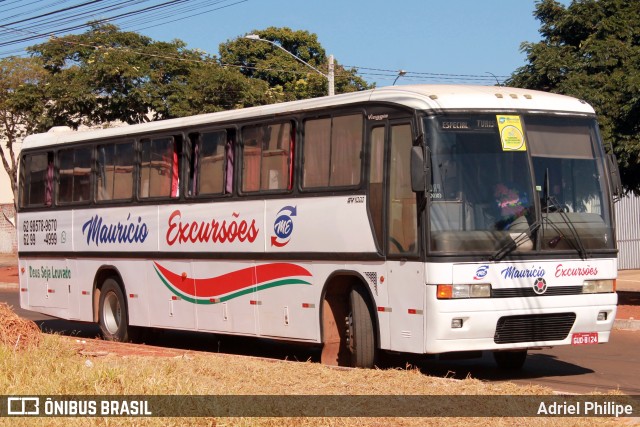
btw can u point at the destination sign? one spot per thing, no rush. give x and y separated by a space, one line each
468 124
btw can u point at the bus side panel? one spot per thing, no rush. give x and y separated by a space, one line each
226 299
323 225
287 295
111 230
48 286
49 232
236 227
170 306
407 299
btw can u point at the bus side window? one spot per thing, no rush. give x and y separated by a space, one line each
159 167
208 163
333 151
231 153
266 157
114 171
74 175
346 150
49 181
36 183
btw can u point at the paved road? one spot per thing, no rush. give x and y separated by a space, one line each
611 366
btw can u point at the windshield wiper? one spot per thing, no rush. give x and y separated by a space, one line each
576 241
552 202
514 244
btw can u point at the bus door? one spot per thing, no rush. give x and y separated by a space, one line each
405 272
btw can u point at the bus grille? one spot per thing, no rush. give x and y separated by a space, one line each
536 327
529 292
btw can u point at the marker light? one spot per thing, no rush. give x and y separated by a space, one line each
445 291
598 286
475 290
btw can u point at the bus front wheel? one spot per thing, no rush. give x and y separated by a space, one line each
360 334
113 317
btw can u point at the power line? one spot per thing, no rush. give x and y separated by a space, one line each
384 74
61 20
29 25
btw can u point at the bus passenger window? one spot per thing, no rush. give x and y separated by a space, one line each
266 157
332 151
74 181
159 168
209 161
36 183
114 172
317 153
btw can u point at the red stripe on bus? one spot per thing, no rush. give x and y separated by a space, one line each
233 281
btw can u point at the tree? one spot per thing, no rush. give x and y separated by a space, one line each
23 107
284 74
591 50
105 75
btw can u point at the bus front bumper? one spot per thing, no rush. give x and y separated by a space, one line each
517 323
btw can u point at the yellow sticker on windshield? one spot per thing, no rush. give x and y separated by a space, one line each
511 133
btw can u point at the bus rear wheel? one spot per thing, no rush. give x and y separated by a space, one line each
510 360
112 314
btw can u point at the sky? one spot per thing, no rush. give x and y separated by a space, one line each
458 38
435 41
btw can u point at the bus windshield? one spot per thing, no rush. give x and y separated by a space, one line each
524 182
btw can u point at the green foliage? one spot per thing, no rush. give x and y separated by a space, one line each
23 107
106 75
591 50
286 75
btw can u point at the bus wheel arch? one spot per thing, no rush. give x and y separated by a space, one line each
103 274
348 322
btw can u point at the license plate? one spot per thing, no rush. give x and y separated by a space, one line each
583 338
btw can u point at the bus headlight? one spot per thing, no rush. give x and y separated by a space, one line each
475 290
598 286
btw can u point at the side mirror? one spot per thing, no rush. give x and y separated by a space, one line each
420 170
614 174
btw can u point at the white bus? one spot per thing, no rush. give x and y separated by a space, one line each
416 219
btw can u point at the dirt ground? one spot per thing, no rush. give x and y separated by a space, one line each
8 274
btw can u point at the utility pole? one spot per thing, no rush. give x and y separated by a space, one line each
331 77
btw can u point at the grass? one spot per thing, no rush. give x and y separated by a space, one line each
55 367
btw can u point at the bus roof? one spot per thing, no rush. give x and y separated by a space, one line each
419 97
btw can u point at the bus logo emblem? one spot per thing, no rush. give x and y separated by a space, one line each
283 226
540 286
481 272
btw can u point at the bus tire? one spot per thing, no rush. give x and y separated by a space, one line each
510 360
112 312
360 330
